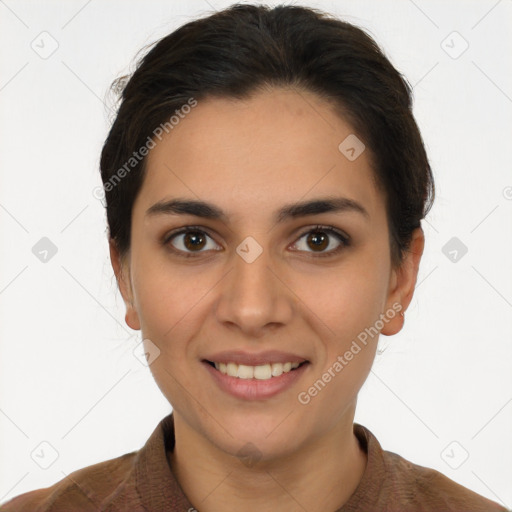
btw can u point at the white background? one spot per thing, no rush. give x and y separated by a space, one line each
67 372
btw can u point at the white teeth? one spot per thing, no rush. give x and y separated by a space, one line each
277 369
232 369
245 372
261 372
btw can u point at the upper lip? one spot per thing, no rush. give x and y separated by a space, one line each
255 358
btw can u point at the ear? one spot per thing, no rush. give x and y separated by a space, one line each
121 268
403 281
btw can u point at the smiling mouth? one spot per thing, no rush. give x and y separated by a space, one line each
261 372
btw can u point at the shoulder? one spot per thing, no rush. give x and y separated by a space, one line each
431 490
137 481
392 483
85 489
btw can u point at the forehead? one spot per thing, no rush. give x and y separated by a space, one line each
276 147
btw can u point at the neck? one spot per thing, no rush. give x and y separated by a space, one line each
318 477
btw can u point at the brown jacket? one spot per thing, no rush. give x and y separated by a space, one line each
142 481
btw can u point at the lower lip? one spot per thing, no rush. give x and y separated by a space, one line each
255 389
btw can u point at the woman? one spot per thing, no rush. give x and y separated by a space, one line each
265 183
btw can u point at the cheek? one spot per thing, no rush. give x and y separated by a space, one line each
173 302
168 304
347 299
349 303
164 296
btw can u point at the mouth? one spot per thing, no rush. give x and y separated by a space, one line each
266 371
258 382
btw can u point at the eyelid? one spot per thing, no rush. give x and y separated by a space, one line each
328 229
342 237
181 231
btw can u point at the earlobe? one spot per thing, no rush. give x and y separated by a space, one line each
122 273
132 318
403 283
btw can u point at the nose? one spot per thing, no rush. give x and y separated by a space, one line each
254 297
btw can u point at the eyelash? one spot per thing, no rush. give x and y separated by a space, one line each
342 238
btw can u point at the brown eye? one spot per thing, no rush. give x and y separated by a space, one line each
319 239
189 241
194 240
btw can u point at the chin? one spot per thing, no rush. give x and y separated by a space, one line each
268 434
252 449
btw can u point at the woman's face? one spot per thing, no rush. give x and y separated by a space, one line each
259 288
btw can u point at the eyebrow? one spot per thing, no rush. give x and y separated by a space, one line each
290 211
